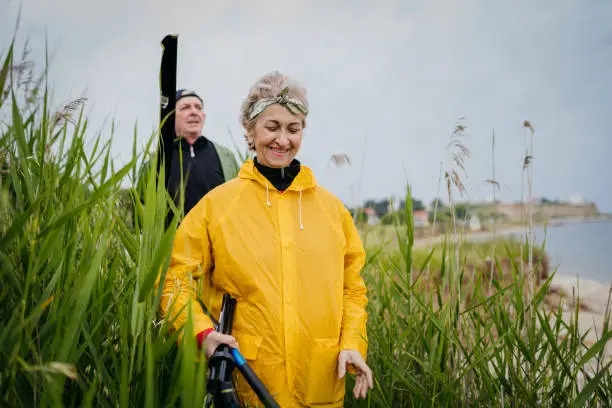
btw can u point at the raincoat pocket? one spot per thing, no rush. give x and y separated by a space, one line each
323 385
248 346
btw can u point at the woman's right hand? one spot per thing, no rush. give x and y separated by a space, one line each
214 339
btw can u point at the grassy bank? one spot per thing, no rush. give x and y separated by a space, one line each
467 340
78 322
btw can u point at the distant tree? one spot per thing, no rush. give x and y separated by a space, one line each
439 202
417 205
461 211
381 208
369 204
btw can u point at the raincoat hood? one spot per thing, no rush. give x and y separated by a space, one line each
303 181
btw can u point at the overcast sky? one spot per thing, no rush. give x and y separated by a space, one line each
387 81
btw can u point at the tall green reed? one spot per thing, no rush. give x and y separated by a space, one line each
474 330
78 323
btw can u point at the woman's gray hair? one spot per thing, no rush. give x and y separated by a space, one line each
271 85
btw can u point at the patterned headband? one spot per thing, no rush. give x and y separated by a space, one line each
295 106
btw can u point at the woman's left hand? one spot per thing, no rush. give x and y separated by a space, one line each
364 379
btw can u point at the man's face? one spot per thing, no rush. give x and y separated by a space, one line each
190 117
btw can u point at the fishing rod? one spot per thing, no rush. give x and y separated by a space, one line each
224 360
167 84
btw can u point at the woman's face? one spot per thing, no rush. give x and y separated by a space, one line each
277 136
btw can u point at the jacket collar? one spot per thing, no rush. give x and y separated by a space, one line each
303 181
198 144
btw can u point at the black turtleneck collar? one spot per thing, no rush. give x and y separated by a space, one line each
200 143
280 178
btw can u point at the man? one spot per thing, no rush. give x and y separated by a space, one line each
205 164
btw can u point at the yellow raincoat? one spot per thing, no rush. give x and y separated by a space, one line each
292 260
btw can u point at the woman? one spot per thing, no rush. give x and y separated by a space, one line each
288 251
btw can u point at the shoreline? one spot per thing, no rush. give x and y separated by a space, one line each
585 299
588 298
508 229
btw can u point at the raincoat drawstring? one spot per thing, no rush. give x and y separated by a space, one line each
268 203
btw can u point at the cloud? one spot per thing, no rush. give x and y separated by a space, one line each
387 81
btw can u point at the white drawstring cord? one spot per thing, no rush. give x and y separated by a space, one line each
300 204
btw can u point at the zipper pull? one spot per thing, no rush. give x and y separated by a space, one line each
191 149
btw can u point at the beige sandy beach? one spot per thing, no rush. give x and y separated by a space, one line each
504 230
594 301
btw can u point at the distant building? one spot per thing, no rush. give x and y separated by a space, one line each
373 218
577 200
474 223
421 218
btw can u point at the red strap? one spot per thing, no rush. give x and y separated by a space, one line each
202 336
